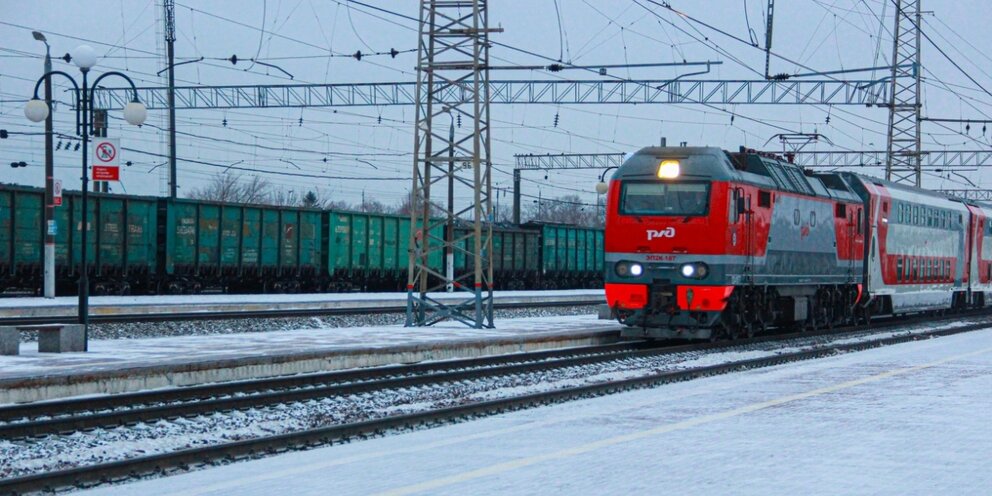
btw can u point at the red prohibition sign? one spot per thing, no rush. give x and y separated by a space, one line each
106 152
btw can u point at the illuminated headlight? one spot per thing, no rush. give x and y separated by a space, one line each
668 169
636 269
629 269
695 270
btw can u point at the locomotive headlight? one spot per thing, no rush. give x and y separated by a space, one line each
636 269
668 169
695 270
629 269
622 269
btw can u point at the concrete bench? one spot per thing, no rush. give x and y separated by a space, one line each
52 338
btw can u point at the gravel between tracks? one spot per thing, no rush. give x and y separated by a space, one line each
22 457
137 330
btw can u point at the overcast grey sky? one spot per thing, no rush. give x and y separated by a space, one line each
298 35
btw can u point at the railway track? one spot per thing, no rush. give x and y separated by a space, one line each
123 316
250 394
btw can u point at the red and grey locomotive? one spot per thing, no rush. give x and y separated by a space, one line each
702 243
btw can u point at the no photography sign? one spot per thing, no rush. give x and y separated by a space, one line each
106 159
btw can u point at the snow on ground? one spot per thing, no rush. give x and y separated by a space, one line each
131 353
903 419
204 299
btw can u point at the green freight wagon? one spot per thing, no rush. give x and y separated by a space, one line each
239 248
515 257
369 252
121 244
21 238
571 257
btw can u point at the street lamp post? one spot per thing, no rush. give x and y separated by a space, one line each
36 110
49 208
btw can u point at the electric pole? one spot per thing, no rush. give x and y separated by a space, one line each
452 56
170 40
903 150
49 207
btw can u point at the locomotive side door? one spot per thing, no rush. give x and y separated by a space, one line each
742 230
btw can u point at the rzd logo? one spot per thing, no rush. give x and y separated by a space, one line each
668 232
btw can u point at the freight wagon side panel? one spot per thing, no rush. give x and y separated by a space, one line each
110 232
230 235
375 242
532 251
359 242
251 237
403 243
6 229
290 229
339 242
309 239
435 259
519 262
208 236
582 250
77 232
27 228
460 257
390 244
571 251
141 249
496 257
599 251
270 239
63 236
549 250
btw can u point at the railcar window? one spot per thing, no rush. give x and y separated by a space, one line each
841 211
899 269
764 199
812 219
658 198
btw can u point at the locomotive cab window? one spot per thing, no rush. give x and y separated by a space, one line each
660 198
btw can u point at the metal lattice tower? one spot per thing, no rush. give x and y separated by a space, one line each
903 151
452 55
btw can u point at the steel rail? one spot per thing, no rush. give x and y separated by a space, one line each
143 406
146 406
255 314
182 460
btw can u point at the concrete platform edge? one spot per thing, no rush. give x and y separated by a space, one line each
48 387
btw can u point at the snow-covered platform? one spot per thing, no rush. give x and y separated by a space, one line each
113 366
909 419
65 306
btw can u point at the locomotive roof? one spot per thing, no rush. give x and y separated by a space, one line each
711 163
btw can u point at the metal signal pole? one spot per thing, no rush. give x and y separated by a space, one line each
452 56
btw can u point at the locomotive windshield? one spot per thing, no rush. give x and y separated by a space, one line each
661 198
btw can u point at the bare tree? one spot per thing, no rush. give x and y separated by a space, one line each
338 205
255 190
569 209
223 188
